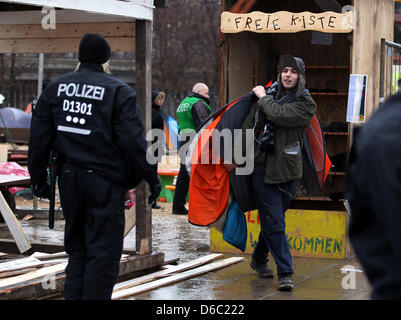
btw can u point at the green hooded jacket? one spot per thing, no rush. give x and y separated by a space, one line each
291 120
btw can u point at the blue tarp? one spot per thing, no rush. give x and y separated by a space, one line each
14 118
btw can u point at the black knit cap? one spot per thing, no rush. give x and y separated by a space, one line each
293 62
155 93
94 48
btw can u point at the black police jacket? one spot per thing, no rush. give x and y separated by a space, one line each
373 189
93 120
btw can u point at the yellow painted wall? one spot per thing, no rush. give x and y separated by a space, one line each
310 233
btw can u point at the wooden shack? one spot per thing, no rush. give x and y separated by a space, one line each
335 38
56 26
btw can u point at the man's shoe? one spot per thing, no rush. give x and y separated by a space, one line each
285 283
182 211
155 206
261 269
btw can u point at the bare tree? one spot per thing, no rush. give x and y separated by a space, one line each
18 92
186 49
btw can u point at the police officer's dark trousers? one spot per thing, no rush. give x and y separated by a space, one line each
93 209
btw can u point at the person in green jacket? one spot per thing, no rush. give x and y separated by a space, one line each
191 113
279 118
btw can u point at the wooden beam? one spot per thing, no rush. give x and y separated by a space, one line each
63 45
22 263
62 16
144 88
67 30
138 9
130 220
163 273
176 278
20 238
33 289
9 246
65 38
58 268
374 20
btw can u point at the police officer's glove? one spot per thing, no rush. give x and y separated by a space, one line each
42 191
272 90
155 190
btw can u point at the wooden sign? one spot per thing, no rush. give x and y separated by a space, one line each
310 233
287 22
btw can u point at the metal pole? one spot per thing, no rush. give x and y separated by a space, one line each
40 73
40 85
382 66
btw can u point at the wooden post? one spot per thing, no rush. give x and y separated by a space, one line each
144 89
14 226
374 20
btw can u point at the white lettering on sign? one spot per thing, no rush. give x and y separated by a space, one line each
284 21
77 107
81 91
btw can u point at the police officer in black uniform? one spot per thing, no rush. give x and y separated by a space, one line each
92 120
373 190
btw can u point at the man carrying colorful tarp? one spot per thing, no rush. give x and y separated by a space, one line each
191 112
279 118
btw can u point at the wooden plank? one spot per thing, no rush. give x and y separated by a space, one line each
33 275
176 278
163 273
16 272
49 256
141 262
53 262
143 57
3 153
130 220
62 45
20 264
286 22
138 9
34 288
10 180
62 16
14 226
374 20
67 30
9 246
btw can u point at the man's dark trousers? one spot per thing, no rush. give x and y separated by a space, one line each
272 204
181 185
93 209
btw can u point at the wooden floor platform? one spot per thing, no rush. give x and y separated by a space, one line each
43 278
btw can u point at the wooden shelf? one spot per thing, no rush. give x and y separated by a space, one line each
317 199
327 67
329 93
335 173
331 133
